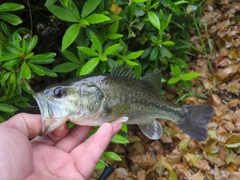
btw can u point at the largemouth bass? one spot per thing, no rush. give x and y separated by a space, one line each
118 97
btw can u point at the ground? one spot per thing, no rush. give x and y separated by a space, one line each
176 155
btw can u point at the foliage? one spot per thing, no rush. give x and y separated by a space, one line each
18 63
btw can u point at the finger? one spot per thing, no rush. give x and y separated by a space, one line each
53 137
76 136
91 150
28 124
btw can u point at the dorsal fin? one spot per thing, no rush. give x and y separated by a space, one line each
125 71
154 80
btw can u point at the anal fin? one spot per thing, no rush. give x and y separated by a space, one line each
152 130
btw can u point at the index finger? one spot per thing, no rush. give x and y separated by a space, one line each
91 150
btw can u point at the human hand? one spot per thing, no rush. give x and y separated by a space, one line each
62 154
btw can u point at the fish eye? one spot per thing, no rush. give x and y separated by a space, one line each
59 92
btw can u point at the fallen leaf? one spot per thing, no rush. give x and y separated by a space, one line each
121 172
197 176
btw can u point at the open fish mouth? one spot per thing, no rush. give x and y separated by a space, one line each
48 114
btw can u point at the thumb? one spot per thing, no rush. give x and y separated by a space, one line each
28 124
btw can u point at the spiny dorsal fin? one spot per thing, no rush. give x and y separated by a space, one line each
125 71
154 80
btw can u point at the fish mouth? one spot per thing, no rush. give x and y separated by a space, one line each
49 114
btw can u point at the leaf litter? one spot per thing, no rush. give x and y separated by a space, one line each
176 155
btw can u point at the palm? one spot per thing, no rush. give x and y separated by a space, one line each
66 158
54 162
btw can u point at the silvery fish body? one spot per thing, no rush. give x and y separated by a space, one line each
118 97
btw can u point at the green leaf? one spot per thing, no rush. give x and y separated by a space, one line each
16 38
114 36
131 63
63 14
154 53
97 18
44 56
5 29
172 175
89 66
84 22
173 80
7 108
119 139
168 43
189 76
49 2
32 43
96 43
26 87
100 164
139 1
70 35
26 72
70 56
11 7
134 55
10 18
5 76
184 144
87 51
167 22
37 69
170 4
111 49
236 145
11 63
113 28
12 78
112 156
49 72
176 71
165 52
89 7
124 128
153 18
66 67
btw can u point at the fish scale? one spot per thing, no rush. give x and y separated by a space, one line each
119 97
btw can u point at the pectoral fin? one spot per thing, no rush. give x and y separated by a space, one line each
121 119
152 130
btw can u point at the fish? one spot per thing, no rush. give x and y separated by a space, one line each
119 96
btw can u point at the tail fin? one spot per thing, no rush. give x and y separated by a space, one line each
196 120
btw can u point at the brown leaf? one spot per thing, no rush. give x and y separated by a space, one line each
215 100
141 175
233 139
121 172
207 84
146 160
233 103
228 71
222 152
203 165
183 169
197 176
229 126
173 158
213 159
